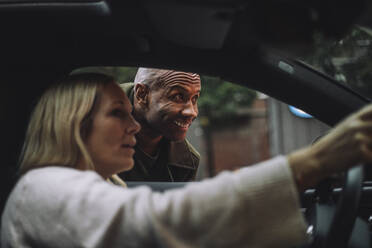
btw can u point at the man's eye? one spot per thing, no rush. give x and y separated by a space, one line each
177 97
195 99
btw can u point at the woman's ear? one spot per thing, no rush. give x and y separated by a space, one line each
141 93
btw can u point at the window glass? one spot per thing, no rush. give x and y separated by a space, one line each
237 126
348 60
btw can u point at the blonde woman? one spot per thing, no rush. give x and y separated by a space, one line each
60 129
81 133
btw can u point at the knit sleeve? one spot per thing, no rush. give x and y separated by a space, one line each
59 207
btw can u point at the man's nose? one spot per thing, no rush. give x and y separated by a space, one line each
190 110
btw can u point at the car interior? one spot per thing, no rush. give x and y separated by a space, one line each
250 43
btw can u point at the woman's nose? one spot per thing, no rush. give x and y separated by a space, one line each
134 127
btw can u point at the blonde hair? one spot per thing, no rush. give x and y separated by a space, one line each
61 121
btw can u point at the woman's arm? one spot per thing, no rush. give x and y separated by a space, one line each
257 206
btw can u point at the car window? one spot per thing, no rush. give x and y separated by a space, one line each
237 126
347 60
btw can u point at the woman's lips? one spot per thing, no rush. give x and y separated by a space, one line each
130 143
129 147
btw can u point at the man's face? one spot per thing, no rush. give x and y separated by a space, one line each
173 106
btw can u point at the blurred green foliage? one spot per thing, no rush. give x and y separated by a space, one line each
348 60
220 101
121 74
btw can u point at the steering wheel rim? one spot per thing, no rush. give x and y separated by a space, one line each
347 209
334 223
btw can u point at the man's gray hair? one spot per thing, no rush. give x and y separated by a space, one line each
148 76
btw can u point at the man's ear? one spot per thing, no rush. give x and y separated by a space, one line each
141 93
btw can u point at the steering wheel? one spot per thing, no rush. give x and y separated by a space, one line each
337 225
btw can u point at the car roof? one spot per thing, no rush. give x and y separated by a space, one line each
229 39
87 32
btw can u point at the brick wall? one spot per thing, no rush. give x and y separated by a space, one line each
245 143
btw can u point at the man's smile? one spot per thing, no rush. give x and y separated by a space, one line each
183 124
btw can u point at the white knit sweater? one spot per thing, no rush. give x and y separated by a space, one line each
60 207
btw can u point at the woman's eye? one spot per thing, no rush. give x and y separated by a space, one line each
117 113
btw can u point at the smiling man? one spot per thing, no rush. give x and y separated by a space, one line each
165 104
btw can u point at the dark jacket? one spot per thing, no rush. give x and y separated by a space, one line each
175 161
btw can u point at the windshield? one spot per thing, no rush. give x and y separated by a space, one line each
348 60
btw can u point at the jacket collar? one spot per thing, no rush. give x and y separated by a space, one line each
179 155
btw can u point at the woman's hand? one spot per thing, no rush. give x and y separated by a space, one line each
346 145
